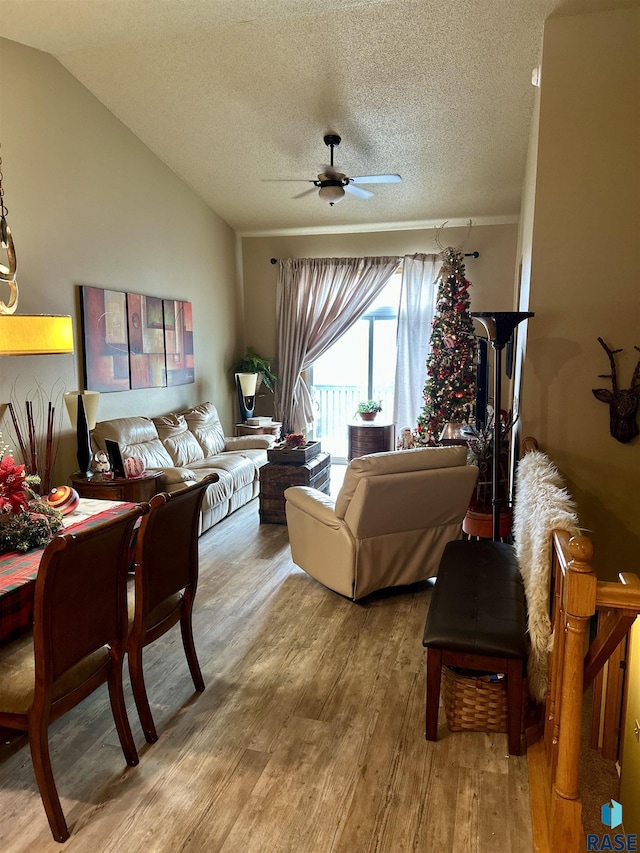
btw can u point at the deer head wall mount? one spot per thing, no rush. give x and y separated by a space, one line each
623 402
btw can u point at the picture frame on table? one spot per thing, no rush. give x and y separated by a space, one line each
115 457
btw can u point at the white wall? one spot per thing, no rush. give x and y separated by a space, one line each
90 205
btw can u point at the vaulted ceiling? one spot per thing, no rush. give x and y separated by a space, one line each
232 94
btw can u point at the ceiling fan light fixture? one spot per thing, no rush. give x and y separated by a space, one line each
331 193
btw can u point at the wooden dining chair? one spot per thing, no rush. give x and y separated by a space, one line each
78 643
166 577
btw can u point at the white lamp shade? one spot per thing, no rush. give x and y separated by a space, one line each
90 400
248 383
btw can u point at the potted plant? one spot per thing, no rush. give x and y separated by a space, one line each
369 409
255 363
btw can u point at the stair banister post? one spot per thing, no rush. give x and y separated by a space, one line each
579 605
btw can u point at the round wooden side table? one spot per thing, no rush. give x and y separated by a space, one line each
479 525
370 437
133 489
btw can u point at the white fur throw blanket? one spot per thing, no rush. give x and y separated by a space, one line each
542 504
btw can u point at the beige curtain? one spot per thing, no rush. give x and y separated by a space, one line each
318 299
415 317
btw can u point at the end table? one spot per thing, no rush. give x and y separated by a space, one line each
134 489
370 437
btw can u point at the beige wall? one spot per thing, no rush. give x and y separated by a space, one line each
89 204
584 268
492 274
584 284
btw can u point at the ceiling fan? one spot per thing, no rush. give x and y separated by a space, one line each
333 184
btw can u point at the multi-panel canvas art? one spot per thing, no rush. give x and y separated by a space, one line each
134 341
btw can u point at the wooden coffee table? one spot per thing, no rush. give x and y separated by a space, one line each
275 478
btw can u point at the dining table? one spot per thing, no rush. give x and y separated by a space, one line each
18 571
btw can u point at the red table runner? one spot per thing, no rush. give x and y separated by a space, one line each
18 577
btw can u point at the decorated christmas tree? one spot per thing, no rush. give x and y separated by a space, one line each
450 390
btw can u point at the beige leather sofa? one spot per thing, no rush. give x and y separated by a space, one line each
389 524
187 446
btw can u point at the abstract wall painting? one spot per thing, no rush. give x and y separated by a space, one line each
106 342
146 341
178 341
134 341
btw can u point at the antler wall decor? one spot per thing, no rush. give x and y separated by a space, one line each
623 402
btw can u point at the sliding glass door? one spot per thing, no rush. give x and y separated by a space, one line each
360 366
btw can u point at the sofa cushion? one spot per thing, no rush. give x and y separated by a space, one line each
171 476
135 437
239 469
205 424
395 462
258 457
250 442
179 441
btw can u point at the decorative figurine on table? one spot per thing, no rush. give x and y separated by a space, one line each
406 439
101 465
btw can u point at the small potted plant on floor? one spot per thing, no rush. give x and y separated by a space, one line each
369 409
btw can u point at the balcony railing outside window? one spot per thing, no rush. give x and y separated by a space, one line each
335 406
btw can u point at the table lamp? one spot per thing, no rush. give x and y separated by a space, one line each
82 407
246 383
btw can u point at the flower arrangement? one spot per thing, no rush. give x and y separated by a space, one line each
294 439
26 520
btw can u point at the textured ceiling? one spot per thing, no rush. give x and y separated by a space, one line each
231 93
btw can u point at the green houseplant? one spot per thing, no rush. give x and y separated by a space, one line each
369 409
255 363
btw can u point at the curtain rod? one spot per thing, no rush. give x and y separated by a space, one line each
466 255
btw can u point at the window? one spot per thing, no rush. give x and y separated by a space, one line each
360 366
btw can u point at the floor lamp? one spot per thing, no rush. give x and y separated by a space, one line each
499 326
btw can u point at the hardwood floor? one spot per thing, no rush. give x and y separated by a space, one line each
309 736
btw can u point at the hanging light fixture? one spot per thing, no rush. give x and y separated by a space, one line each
26 334
331 191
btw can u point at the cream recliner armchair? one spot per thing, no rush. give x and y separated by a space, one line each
389 523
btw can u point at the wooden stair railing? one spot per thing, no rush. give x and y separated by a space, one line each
554 761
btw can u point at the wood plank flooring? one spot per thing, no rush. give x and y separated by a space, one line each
308 738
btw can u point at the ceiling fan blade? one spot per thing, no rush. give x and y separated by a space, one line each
357 191
377 179
287 180
305 192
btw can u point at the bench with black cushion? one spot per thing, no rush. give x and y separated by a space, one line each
477 620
